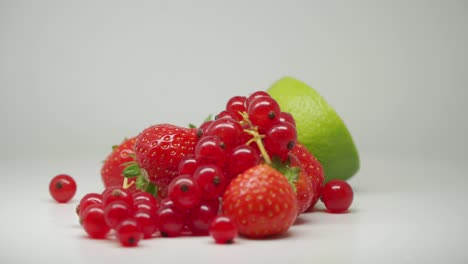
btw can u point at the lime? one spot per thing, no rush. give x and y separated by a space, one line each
319 127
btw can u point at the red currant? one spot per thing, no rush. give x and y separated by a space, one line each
210 178
241 158
147 222
128 232
228 130
201 131
62 188
254 96
88 199
93 221
263 112
188 165
116 193
211 149
184 192
171 221
115 212
280 139
145 205
200 218
144 196
225 113
223 230
287 117
236 105
337 195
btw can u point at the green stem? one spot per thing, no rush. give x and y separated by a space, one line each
257 138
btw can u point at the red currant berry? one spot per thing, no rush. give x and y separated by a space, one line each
188 164
62 188
115 212
147 222
263 112
337 195
254 96
128 232
223 230
280 139
210 149
201 131
241 158
287 117
117 193
145 205
200 218
225 113
236 105
210 178
144 196
184 192
93 221
171 221
228 130
212 203
88 199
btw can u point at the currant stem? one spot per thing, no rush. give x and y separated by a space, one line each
257 138
127 185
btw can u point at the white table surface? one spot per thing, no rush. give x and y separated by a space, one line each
405 210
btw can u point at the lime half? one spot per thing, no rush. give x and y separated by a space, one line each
319 127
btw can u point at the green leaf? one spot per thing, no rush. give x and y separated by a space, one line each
141 182
152 189
208 118
192 126
132 171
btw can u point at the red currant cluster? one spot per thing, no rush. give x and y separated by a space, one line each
248 130
139 215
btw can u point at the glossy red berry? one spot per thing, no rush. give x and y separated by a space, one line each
88 199
228 130
147 222
117 193
240 159
280 139
93 221
254 96
171 221
236 105
287 117
62 188
184 192
263 112
210 149
128 232
337 195
223 230
188 165
211 180
115 212
200 218
145 205
144 196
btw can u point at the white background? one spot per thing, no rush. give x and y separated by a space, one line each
78 76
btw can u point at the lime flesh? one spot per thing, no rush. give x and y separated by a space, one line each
319 128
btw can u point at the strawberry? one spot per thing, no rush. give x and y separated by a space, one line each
159 150
261 202
303 184
112 169
313 169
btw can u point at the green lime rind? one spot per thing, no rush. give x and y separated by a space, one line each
320 129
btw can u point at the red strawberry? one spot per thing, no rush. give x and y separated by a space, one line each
112 169
159 150
313 168
261 202
303 184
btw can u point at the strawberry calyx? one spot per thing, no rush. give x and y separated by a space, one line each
290 172
133 170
